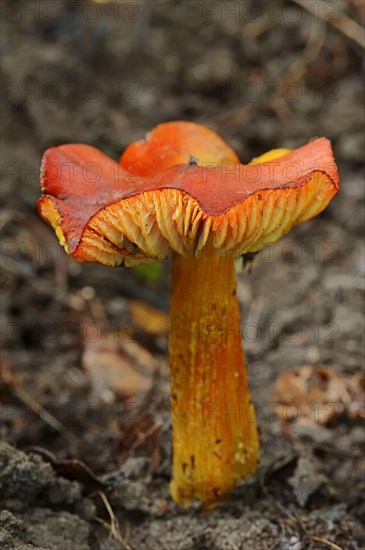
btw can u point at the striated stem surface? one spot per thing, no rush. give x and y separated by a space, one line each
215 440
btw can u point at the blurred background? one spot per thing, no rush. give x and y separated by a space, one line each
84 362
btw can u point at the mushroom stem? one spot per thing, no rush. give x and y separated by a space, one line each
215 440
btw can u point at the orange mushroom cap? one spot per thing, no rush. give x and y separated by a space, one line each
175 143
172 192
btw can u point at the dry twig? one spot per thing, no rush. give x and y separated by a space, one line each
339 21
295 71
113 528
40 411
142 436
326 542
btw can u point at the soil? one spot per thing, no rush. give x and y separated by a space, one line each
85 463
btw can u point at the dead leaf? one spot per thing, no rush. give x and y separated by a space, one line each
306 480
356 389
118 368
149 319
143 432
8 375
316 394
72 469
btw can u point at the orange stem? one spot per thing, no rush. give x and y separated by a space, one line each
215 441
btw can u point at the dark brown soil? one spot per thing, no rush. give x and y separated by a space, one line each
81 467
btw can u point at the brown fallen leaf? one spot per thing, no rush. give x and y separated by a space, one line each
356 389
8 375
72 469
151 320
306 480
144 433
316 394
118 368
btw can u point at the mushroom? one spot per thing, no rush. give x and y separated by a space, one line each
183 192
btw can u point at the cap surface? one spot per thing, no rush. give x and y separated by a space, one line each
175 143
158 200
